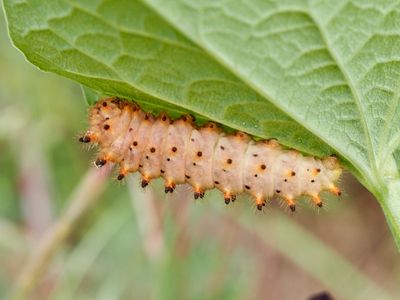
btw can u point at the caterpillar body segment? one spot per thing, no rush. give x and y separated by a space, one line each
205 157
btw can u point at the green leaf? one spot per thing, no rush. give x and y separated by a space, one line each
321 76
90 96
123 48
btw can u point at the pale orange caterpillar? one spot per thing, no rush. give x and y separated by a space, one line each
204 157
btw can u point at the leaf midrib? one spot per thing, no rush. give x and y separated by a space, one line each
390 145
356 96
377 159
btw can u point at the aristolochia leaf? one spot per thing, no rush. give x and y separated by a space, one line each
321 76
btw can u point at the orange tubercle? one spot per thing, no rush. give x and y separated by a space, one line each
259 203
317 200
291 204
335 190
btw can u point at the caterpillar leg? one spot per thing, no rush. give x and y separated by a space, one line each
290 202
122 173
260 203
335 190
228 197
169 187
145 182
317 200
198 193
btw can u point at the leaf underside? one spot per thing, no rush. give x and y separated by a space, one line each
320 76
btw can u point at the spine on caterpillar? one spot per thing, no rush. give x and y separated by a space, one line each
205 157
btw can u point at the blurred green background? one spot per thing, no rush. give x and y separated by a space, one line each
135 245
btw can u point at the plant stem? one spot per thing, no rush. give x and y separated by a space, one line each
148 219
390 203
315 258
83 197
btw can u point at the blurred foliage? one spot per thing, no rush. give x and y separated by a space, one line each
209 251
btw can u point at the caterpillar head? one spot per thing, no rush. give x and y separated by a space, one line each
104 110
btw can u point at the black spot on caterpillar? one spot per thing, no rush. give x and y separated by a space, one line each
205 157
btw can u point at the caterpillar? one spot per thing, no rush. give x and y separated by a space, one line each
204 157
